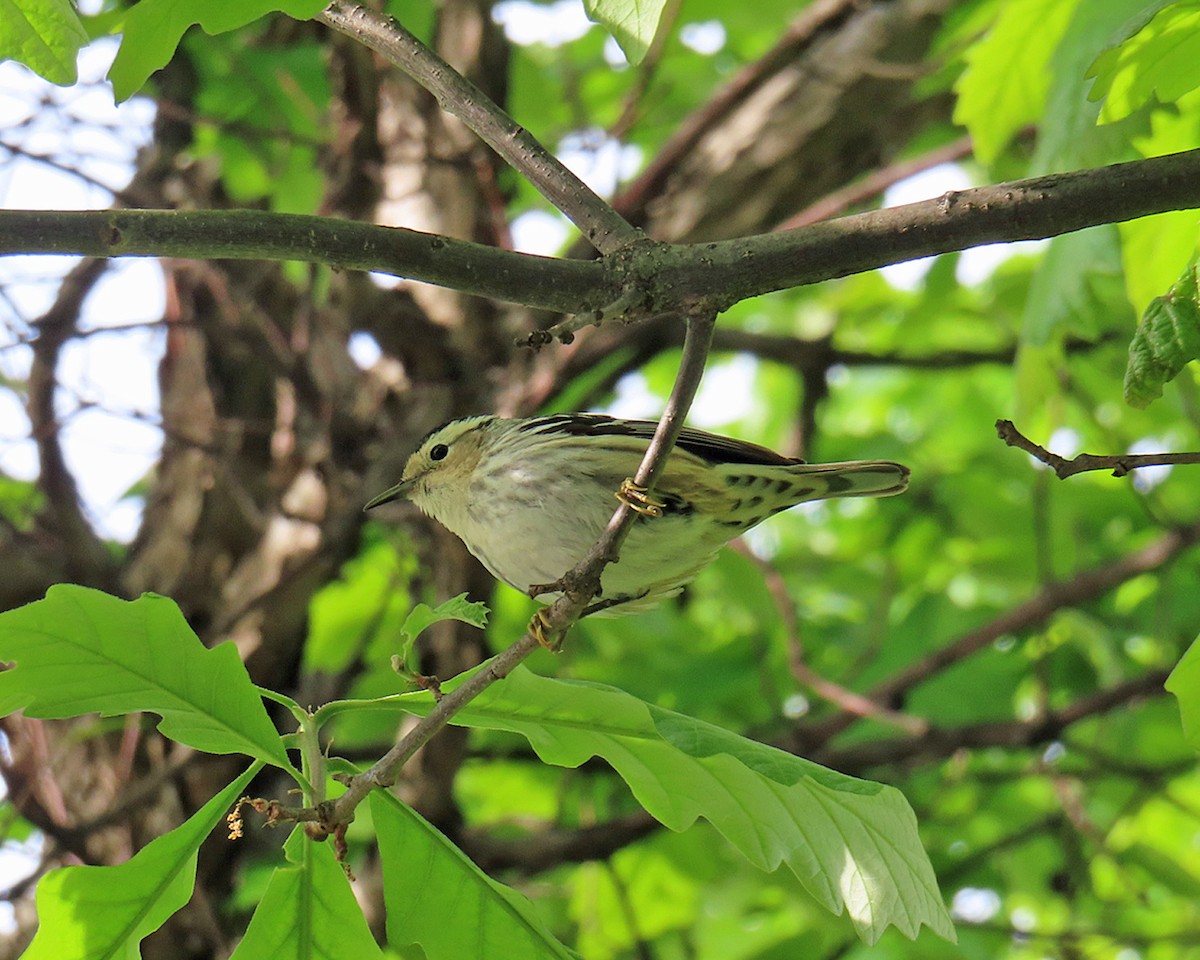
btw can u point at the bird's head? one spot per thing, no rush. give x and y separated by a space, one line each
441 466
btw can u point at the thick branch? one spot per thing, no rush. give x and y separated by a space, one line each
560 285
601 224
1119 463
661 275
1019 210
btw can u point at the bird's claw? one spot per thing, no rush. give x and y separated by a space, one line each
540 628
638 499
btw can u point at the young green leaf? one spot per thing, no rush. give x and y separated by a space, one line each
1008 75
80 650
423 872
1158 58
852 843
422 616
1166 340
107 911
1184 682
308 911
153 28
45 35
631 22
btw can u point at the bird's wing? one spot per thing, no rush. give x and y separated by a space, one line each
709 447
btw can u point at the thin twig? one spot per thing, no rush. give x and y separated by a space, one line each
1083 586
848 700
839 201
631 106
1119 463
606 229
942 742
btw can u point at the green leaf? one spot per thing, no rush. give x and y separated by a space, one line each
632 23
106 911
1153 252
423 872
853 844
80 650
1184 682
1068 135
422 617
366 605
308 911
1159 58
153 29
1007 78
45 35
1167 339
1063 296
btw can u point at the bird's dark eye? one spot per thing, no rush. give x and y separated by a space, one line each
438 451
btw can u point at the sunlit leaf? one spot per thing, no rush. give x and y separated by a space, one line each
1007 78
1161 60
1069 136
422 617
852 843
153 28
423 871
92 911
81 651
45 35
631 22
308 911
1184 682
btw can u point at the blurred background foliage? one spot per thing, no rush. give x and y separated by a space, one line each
1011 631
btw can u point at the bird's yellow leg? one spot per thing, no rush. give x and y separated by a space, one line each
638 498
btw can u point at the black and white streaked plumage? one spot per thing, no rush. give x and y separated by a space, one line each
529 497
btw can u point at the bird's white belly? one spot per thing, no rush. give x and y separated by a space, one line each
544 532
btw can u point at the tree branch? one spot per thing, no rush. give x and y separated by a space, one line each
942 742
554 284
87 559
1119 463
839 201
1085 585
1018 210
606 229
653 278
553 847
848 700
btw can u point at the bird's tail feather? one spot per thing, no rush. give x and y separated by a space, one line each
854 478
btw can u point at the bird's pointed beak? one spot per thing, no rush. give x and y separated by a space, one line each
397 492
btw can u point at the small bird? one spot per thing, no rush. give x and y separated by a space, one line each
530 497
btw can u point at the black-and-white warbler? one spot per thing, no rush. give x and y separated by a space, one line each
530 497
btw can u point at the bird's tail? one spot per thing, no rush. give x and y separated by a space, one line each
854 478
